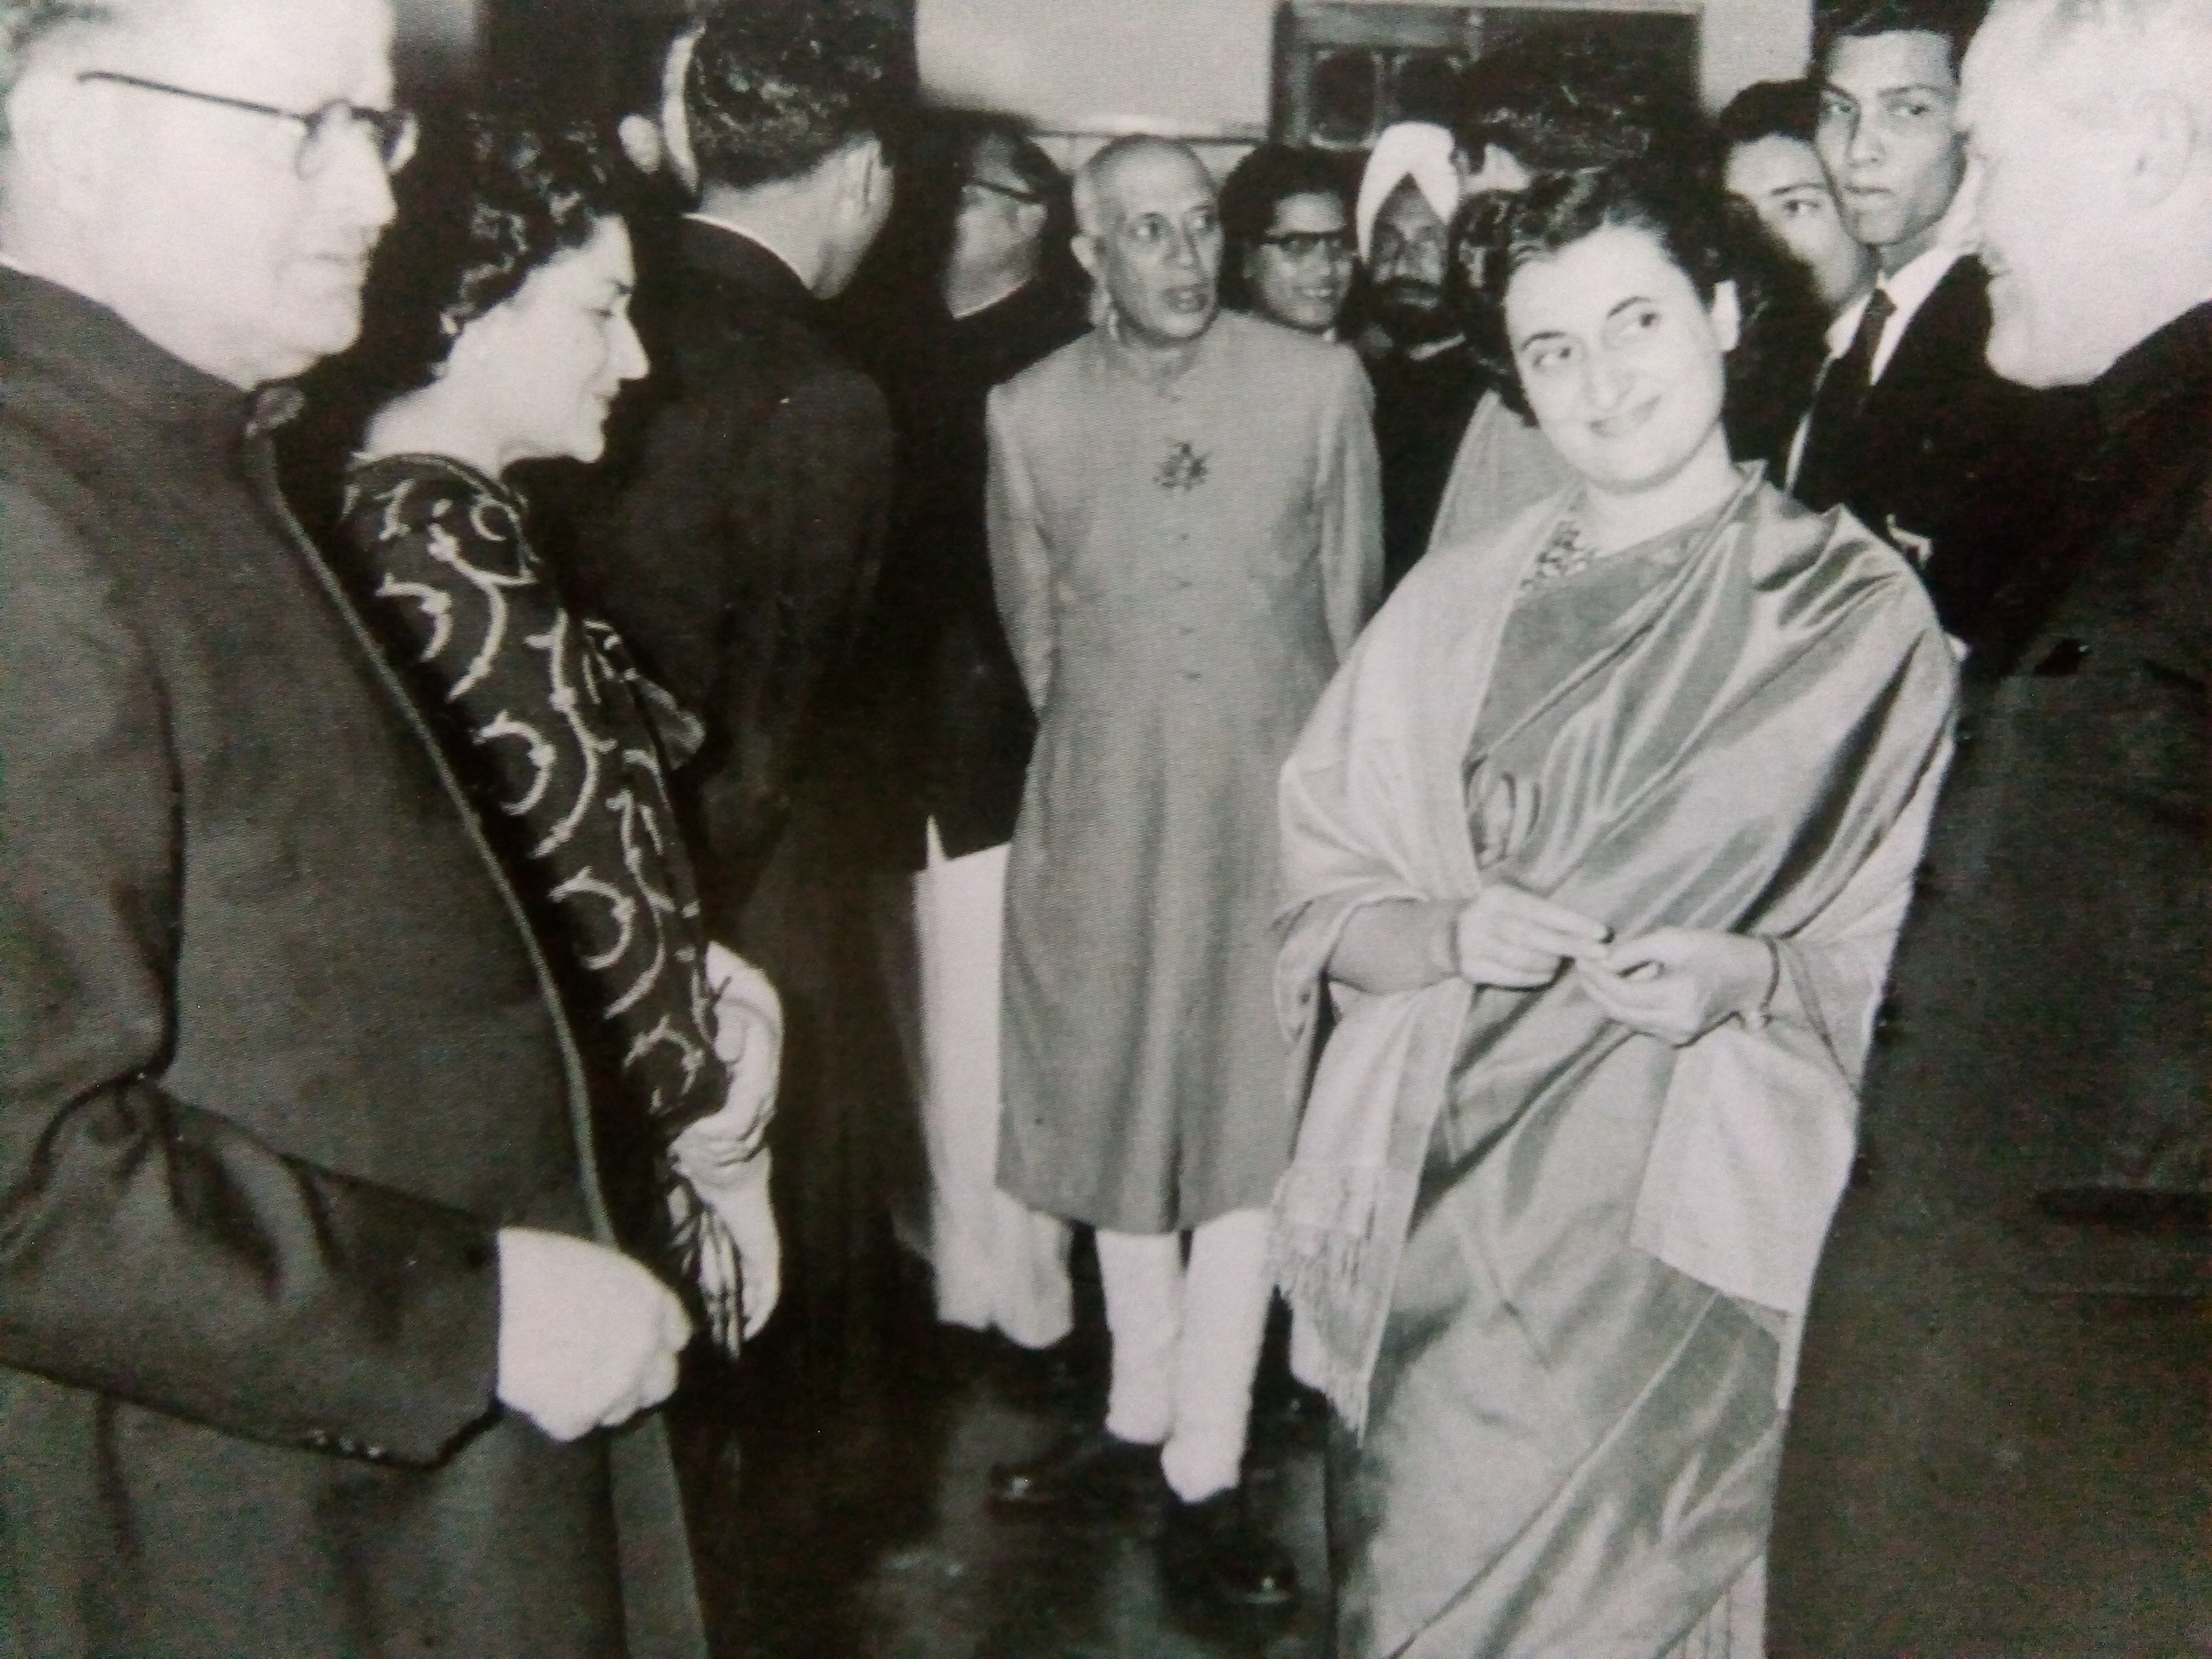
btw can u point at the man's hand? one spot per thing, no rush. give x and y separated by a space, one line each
1677 983
749 1040
1509 938
587 1338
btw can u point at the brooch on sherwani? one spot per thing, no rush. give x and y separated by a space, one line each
1183 468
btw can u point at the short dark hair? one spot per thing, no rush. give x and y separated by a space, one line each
1955 20
777 86
490 197
1769 109
1709 238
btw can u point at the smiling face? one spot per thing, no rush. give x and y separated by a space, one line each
1622 363
539 371
1157 251
1887 139
1301 271
1780 178
202 230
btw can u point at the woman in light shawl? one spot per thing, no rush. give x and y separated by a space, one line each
1596 848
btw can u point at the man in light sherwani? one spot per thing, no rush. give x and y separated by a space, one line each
1185 539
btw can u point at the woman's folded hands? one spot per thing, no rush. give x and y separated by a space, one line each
1677 983
1513 938
1672 983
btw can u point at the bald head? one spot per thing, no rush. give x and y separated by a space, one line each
2090 126
1150 235
134 176
1136 163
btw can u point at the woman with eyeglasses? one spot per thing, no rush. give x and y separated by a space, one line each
496 332
1286 217
1596 848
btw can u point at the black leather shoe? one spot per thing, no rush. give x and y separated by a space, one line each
1210 1550
1085 1470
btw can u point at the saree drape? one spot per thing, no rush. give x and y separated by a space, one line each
1550 1266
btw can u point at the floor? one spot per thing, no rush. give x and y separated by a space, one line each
838 1506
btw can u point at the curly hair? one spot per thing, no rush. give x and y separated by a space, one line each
490 197
1710 239
776 87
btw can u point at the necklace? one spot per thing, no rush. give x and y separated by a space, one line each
1567 550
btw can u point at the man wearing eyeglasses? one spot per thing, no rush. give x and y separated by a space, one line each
306 1337
954 726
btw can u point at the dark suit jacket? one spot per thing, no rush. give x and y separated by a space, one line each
1422 406
1946 451
743 542
276 1058
955 726
1995 1450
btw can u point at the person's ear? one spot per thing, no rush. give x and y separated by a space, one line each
641 142
2163 142
675 116
874 178
1727 313
56 134
1090 257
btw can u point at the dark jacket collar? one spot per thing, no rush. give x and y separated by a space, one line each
733 257
44 323
2170 367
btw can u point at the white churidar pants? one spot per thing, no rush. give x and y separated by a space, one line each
1186 1344
998 1263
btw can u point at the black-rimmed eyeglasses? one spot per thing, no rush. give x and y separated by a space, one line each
1305 244
392 132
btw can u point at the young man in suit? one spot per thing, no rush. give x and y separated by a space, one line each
1909 426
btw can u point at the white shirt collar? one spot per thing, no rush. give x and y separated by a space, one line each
756 238
1908 287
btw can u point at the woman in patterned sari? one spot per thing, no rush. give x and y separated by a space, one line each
496 331
1596 849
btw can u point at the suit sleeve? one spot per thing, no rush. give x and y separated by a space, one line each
151 1248
1021 563
1349 492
